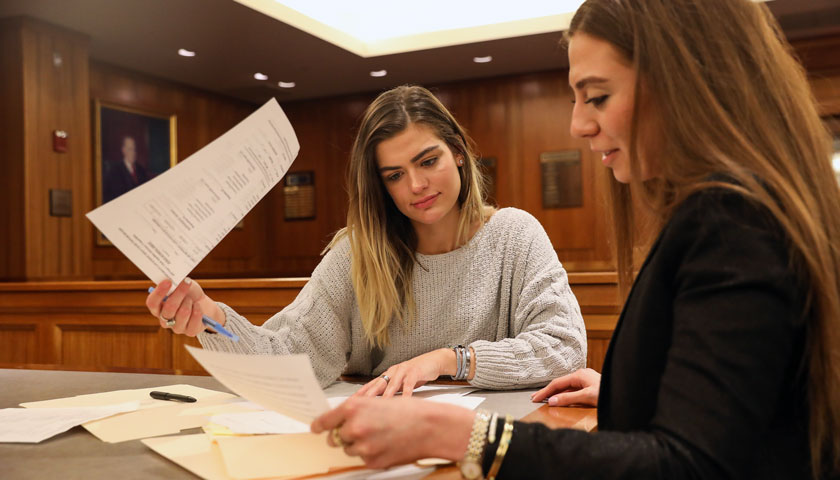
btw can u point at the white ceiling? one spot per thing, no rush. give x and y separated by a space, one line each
233 41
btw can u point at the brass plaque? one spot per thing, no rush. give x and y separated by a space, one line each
561 179
299 195
61 203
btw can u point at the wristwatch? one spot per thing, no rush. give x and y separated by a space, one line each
470 465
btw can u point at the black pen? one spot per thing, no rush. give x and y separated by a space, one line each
171 396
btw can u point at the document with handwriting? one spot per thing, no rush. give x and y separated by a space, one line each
283 383
169 224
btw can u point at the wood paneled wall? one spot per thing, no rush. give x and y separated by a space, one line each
105 326
45 88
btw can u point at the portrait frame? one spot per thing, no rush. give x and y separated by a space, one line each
126 135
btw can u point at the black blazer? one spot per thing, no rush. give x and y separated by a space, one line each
704 377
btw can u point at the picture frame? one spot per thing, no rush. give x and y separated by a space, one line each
128 136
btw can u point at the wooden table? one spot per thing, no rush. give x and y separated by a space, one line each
78 454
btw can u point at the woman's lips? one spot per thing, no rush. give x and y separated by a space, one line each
607 157
426 202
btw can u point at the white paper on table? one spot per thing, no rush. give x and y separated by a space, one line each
152 418
33 425
283 383
427 391
170 223
263 422
454 399
403 472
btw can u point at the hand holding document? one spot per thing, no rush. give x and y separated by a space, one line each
169 224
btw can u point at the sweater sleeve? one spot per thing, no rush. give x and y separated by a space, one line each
316 323
547 333
735 313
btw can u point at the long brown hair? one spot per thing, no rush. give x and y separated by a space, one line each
382 239
732 99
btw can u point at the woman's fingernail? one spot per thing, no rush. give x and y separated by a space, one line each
188 280
552 402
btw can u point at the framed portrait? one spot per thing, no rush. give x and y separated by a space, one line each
131 148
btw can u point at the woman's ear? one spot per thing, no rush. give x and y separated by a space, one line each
460 160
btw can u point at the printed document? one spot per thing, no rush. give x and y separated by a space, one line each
283 383
33 425
169 224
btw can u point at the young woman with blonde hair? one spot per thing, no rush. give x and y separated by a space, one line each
725 362
425 280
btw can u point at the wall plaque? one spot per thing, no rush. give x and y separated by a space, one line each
561 179
299 195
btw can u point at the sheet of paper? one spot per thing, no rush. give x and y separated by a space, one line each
263 422
168 224
154 417
427 390
33 425
283 383
454 399
403 472
140 395
296 454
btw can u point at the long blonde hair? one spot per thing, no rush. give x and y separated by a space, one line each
730 98
382 239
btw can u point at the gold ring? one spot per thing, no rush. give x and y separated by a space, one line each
336 438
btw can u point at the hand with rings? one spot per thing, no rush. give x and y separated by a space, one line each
335 438
406 376
393 431
183 308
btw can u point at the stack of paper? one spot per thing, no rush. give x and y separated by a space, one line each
152 417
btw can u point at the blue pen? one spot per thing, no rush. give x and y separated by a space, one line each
210 323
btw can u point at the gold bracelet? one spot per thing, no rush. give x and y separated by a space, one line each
504 441
491 433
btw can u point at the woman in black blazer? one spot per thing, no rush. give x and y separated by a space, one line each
725 362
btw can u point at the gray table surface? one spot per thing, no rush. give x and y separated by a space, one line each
78 454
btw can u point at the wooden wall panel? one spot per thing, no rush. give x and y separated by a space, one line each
84 344
12 238
19 342
47 69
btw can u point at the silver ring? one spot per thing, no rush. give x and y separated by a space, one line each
386 377
170 322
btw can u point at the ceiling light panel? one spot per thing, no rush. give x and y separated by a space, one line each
375 27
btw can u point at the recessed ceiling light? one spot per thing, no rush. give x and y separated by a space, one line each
486 59
185 53
378 73
286 84
260 76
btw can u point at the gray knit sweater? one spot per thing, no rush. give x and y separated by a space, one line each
504 293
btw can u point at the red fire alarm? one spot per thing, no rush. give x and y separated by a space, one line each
60 141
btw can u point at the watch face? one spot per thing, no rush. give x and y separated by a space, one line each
471 470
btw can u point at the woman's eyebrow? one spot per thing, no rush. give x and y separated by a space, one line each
414 158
